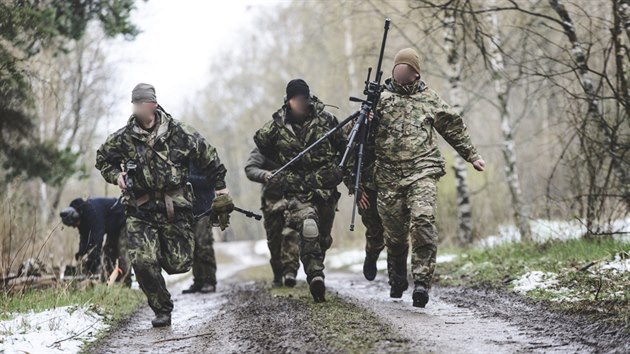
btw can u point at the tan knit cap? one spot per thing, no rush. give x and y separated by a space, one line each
408 56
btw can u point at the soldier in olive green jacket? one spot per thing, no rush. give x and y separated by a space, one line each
309 185
159 206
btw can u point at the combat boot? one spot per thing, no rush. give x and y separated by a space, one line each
369 266
208 288
277 275
162 320
194 288
289 280
277 281
318 289
420 296
397 278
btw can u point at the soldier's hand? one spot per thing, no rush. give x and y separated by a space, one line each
479 165
121 181
224 221
364 201
222 206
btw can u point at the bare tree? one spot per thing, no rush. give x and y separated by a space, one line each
501 88
456 98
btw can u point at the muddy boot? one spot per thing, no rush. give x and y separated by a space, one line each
277 281
276 268
398 278
162 320
289 280
318 289
208 288
420 296
194 288
369 266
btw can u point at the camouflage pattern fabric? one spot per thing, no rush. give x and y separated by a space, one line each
407 167
273 214
296 246
273 206
309 185
155 244
406 146
374 241
374 232
409 213
316 173
204 266
163 157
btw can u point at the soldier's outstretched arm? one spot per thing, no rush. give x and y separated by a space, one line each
451 126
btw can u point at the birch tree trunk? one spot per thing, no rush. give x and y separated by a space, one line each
594 112
495 56
464 208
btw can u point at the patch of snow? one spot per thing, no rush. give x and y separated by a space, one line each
445 258
621 263
545 230
60 330
535 280
353 259
261 248
339 259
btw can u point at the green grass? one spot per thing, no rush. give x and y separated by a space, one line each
115 302
581 289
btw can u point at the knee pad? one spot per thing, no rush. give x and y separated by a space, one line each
310 229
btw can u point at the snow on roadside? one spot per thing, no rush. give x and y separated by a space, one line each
550 282
535 280
353 260
621 263
60 330
544 230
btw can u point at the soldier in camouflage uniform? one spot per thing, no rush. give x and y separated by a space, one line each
367 207
158 208
407 167
204 266
258 169
309 185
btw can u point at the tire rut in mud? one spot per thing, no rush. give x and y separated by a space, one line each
539 321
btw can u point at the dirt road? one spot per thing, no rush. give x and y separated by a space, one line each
359 316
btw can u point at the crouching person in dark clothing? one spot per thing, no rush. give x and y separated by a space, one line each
102 237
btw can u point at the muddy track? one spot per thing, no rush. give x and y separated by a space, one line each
249 316
536 320
473 321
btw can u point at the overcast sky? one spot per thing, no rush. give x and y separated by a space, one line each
175 49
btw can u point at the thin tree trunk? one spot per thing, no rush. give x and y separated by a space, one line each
348 47
521 213
594 114
464 208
